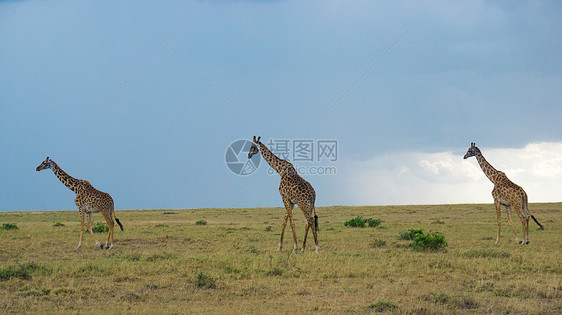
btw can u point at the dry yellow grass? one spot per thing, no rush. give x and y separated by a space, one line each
164 261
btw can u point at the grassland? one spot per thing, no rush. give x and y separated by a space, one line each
165 262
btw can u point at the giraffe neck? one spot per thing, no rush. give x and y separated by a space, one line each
69 181
487 168
283 167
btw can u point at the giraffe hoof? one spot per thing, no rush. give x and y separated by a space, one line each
527 242
101 246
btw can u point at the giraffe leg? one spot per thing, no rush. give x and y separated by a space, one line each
289 206
498 217
283 230
525 223
308 224
111 224
509 220
295 246
81 229
92 232
81 212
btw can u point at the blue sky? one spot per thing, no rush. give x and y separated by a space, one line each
143 98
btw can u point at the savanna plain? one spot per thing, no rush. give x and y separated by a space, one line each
226 261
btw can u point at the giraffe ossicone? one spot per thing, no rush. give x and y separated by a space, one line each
294 190
89 200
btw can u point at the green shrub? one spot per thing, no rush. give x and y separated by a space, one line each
356 222
204 281
201 222
373 222
9 226
100 228
383 306
58 224
428 242
268 228
361 222
21 271
410 234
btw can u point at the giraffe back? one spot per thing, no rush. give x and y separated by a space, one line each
297 189
509 192
94 200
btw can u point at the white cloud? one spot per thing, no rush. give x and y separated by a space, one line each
444 177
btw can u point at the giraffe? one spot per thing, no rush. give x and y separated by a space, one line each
88 199
294 190
505 193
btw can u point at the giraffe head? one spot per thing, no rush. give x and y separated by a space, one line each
44 165
472 151
254 149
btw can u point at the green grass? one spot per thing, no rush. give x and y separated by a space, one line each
164 262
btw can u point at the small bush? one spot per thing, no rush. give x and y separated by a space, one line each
356 222
204 281
361 222
58 224
100 228
9 226
268 228
201 222
383 306
410 234
21 271
161 225
428 242
373 222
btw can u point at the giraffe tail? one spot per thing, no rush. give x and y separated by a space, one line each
315 220
118 222
540 225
